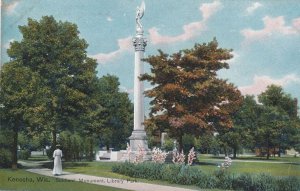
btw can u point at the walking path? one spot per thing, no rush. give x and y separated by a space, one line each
130 184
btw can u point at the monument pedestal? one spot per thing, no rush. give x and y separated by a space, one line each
138 138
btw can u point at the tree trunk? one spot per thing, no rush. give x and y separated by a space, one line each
91 150
54 138
15 148
268 152
234 153
180 144
225 151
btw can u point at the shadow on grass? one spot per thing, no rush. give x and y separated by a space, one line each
205 163
69 165
257 158
34 158
75 164
27 164
48 165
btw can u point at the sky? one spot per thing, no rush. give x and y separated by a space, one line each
264 35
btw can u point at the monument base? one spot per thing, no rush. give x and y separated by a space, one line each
138 139
134 154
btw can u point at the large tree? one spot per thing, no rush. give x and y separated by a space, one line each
276 97
286 124
243 132
271 123
18 94
118 112
188 95
57 54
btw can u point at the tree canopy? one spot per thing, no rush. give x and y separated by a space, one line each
270 126
55 52
118 112
188 96
18 94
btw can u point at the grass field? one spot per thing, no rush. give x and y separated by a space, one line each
23 180
279 166
286 159
255 167
284 166
288 166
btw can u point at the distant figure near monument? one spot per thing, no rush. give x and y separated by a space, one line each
57 155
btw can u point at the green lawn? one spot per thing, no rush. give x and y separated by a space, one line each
14 180
257 167
92 168
290 167
291 159
208 165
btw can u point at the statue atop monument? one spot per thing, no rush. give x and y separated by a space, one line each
139 14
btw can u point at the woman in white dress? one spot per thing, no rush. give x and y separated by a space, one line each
57 155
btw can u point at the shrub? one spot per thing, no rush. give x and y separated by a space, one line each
168 145
6 140
207 181
288 184
124 168
188 142
243 182
73 146
170 172
5 158
224 179
262 182
187 175
151 171
24 154
49 152
221 179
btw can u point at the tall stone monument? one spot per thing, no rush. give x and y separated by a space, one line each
138 136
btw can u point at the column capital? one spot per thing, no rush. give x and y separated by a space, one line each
139 43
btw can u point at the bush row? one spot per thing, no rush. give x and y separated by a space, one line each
189 175
24 154
6 140
74 147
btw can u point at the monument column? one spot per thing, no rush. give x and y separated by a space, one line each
139 136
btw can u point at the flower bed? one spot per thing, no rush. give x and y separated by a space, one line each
221 179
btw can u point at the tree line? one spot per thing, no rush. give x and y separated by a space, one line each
50 89
197 108
50 94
